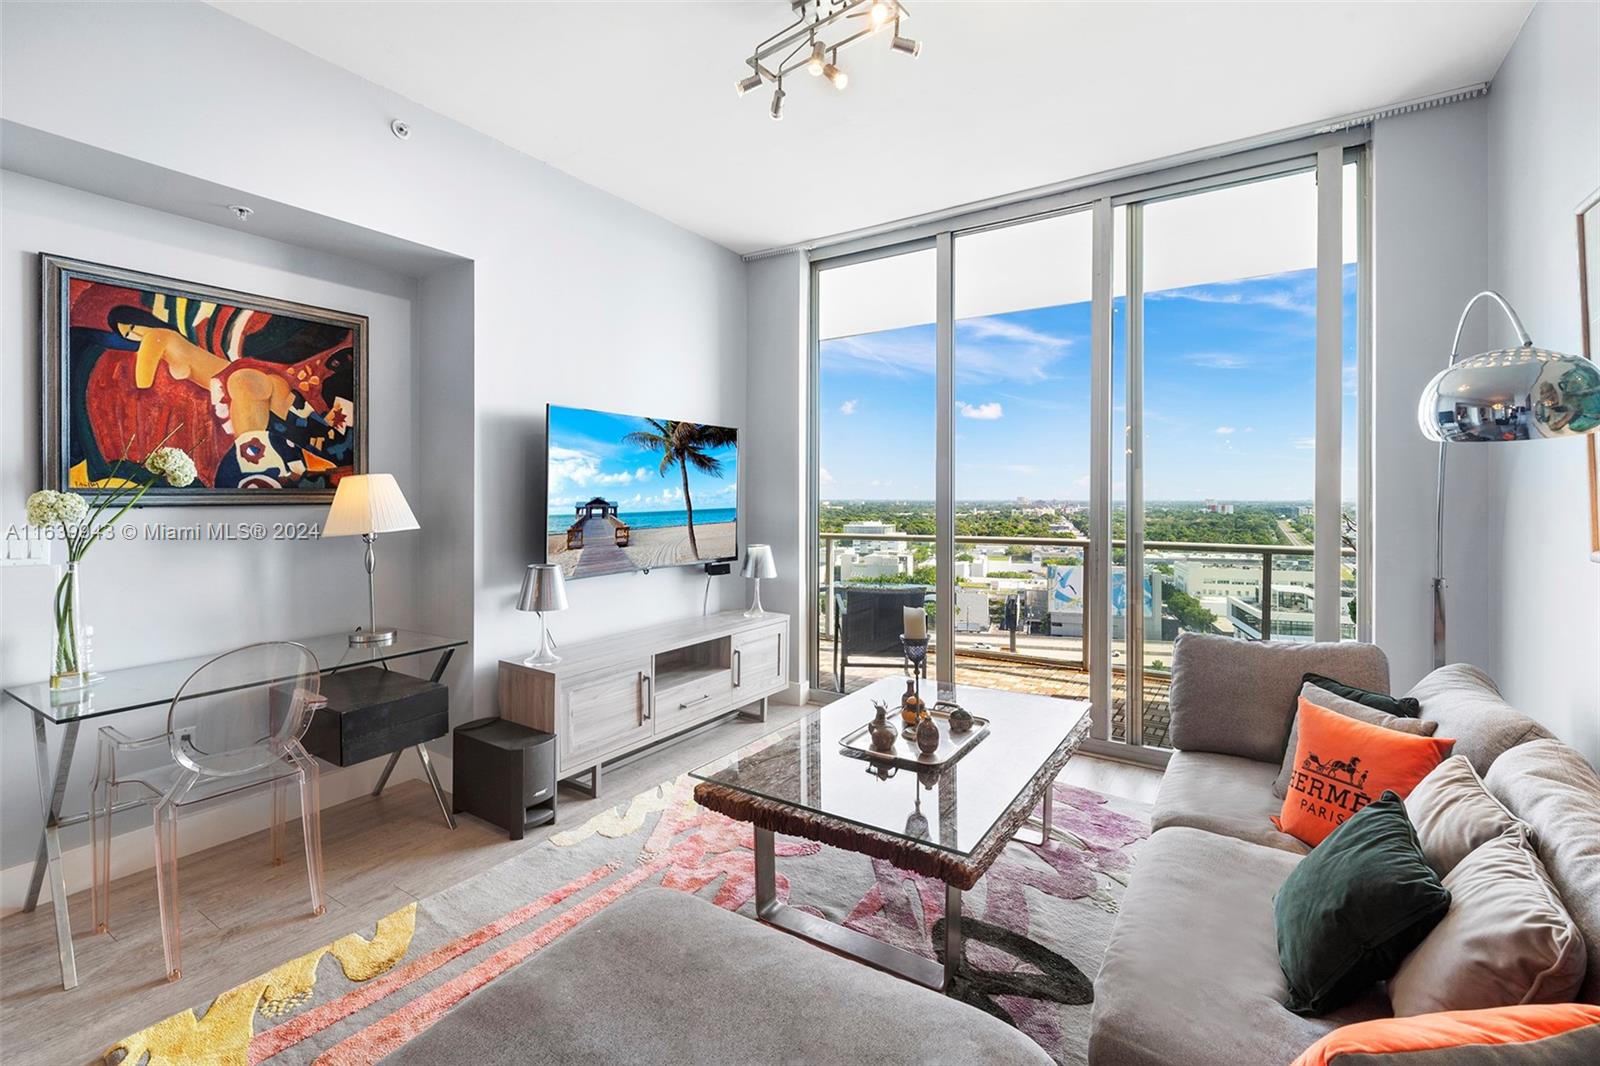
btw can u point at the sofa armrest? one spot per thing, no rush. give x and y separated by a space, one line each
1238 697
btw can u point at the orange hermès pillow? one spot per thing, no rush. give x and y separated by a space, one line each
1547 1034
1341 765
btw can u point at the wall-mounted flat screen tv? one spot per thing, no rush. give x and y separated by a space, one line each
625 493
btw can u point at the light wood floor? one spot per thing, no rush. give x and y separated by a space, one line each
242 916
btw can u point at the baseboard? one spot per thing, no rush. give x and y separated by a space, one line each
798 694
134 851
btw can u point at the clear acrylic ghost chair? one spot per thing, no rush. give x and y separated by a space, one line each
233 728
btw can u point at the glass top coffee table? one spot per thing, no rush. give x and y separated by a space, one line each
950 823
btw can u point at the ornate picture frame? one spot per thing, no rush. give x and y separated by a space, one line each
1588 220
268 396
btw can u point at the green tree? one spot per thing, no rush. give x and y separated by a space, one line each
1189 612
685 444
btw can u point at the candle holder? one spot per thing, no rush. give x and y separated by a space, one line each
916 668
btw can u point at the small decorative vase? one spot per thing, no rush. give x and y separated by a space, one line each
880 731
911 708
69 643
960 717
927 735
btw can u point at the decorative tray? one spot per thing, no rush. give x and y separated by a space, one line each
905 752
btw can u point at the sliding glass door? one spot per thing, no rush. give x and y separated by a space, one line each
1080 433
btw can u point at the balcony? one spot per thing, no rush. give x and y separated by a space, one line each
1198 587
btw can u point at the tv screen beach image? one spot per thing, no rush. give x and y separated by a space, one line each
627 493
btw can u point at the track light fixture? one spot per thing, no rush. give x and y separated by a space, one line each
744 85
815 37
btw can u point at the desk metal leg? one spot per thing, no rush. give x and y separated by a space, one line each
422 753
52 789
388 768
438 791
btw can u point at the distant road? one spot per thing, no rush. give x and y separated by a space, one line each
1294 536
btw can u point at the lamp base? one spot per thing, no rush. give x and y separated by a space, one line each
542 658
371 637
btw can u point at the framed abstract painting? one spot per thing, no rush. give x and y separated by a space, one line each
267 396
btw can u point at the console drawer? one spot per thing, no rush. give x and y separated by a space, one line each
680 701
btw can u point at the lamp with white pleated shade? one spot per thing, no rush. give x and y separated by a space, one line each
365 505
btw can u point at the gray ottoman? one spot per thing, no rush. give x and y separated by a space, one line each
662 977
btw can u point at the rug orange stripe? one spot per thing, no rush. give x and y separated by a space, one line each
280 1037
385 1035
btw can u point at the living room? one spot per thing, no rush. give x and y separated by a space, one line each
317 748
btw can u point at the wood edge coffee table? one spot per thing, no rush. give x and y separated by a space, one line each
958 872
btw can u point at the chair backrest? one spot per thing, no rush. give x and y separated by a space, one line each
242 710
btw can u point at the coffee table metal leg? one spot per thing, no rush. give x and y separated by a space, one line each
953 944
848 942
1045 823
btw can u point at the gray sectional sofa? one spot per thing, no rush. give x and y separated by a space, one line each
1191 976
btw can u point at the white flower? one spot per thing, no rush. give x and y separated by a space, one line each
46 508
173 464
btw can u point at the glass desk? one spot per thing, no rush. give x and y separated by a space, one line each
949 823
136 687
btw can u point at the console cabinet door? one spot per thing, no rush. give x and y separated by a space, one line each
758 660
599 712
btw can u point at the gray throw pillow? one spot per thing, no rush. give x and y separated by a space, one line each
1507 939
1350 709
1454 813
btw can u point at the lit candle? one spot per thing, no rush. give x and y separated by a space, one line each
916 623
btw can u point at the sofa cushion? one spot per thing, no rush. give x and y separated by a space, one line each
1469 709
1237 697
1399 706
1361 712
1191 972
1557 793
1357 761
1538 1035
1454 813
1222 794
1507 939
661 976
1354 908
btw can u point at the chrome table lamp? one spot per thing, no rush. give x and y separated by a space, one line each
365 505
758 564
544 588
1521 393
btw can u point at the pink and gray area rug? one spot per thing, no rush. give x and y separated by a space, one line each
1036 928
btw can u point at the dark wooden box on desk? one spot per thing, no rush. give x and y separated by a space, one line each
372 711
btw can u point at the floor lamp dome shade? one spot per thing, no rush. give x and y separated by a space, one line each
1521 393
1512 394
758 564
544 588
365 505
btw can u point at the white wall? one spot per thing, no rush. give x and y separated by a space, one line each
775 453
1543 159
150 601
575 296
1428 259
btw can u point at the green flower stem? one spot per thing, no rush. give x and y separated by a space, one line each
66 625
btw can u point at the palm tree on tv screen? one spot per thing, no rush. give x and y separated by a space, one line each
684 444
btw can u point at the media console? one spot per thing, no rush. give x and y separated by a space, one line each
607 698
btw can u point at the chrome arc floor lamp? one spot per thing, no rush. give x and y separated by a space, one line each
1510 394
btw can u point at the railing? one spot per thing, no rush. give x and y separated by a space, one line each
1267 552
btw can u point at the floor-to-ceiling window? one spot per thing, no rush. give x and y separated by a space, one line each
1114 486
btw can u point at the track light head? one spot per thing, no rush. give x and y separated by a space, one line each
744 85
777 104
836 77
817 61
907 45
880 12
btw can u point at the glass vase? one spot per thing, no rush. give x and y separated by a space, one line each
69 636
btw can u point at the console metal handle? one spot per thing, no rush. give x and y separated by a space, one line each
645 688
690 703
738 668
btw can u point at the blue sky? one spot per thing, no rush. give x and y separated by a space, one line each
589 458
1228 399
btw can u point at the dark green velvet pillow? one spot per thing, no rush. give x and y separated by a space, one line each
1355 907
1399 706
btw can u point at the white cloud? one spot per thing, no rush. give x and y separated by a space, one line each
1217 360
999 329
1223 431
983 412
1300 298
848 407
570 469
823 476
1305 444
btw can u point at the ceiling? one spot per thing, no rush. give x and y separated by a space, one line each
637 97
